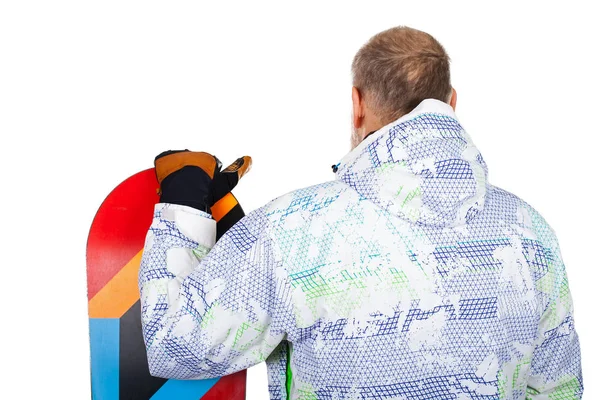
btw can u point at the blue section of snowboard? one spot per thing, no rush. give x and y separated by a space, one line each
104 348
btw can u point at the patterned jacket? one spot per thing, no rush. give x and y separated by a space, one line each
407 276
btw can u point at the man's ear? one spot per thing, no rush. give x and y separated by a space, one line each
358 109
453 99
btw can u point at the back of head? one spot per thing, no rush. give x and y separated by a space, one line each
398 68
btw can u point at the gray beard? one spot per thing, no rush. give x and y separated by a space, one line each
355 137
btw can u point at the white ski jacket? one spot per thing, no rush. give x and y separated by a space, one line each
408 276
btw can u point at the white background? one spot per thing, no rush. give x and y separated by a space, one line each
90 92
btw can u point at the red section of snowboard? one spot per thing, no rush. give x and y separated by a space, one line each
228 387
112 235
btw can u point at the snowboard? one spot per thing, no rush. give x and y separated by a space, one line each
119 368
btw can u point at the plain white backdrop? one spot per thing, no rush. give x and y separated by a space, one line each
90 92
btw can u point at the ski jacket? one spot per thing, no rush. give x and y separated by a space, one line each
407 276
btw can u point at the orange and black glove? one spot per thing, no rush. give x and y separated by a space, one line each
195 179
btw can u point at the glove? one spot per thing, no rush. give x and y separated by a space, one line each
195 179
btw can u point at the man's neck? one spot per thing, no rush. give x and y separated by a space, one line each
367 135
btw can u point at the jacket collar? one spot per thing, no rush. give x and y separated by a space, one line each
423 167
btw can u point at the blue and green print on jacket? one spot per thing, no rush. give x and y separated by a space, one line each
407 276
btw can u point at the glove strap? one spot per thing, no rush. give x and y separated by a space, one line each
223 206
229 219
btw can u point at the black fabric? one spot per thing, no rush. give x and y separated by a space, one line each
224 181
229 220
189 186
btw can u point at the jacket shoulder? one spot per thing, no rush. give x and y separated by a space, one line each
299 204
522 213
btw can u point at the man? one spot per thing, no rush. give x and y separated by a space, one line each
407 276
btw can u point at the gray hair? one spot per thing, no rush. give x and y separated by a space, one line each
398 68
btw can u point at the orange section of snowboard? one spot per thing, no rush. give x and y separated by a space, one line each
119 294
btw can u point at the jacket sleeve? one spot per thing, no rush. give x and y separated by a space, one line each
556 361
209 311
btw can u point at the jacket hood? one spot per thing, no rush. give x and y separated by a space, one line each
423 167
